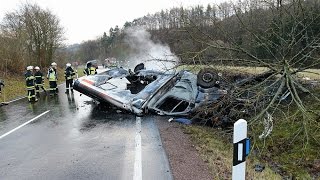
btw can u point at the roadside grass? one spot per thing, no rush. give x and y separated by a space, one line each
294 143
14 88
313 74
232 69
15 84
310 73
80 71
216 148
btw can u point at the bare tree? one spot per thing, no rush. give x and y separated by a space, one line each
36 31
281 37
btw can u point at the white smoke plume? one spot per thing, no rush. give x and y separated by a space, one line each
155 56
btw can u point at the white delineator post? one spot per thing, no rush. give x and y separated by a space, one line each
241 147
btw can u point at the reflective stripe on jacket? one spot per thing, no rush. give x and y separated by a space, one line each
39 77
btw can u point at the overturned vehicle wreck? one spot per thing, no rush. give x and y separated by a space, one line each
142 91
205 97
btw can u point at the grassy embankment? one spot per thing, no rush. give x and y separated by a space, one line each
15 84
285 151
313 74
216 148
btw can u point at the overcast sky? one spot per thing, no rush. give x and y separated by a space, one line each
88 19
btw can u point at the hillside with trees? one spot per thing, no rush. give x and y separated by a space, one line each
251 31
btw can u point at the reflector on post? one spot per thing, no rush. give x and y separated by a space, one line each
241 148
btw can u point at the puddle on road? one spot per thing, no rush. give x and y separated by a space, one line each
106 116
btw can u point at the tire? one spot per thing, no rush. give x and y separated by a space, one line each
138 68
207 78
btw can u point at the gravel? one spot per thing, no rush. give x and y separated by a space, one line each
184 159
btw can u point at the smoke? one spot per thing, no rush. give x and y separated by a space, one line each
155 56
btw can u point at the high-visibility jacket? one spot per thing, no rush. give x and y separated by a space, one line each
69 73
52 75
30 80
39 78
90 71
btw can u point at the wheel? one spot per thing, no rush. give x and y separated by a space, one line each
207 78
138 67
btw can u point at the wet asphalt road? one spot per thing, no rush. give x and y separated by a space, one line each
77 139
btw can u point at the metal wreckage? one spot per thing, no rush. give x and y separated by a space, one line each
164 93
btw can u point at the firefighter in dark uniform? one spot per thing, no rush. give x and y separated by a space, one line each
90 70
52 76
86 70
1 85
69 74
39 80
30 82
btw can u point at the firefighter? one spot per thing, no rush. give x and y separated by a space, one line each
39 80
52 76
4 101
93 70
30 82
90 70
1 85
86 71
69 74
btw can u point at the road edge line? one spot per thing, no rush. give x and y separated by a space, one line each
138 159
11 131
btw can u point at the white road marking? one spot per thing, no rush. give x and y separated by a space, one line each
138 160
4 135
17 99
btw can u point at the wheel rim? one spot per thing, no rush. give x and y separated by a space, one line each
207 77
